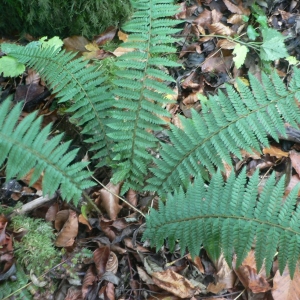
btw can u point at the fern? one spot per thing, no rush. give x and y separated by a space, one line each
26 147
72 80
227 124
229 217
139 89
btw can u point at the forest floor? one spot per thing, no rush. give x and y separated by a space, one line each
117 264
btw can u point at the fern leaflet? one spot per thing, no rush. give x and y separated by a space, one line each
26 147
228 217
72 80
227 124
139 90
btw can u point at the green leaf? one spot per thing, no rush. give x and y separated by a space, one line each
240 52
54 42
10 67
272 37
251 32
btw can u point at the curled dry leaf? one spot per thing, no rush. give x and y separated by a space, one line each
83 220
32 77
286 288
109 201
225 44
101 256
175 284
275 151
248 275
197 262
74 294
121 50
295 159
240 9
217 64
225 274
69 230
110 291
220 28
203 19
144 276
88 280
122 36
112 263
106 36
235 19
131 197
51 212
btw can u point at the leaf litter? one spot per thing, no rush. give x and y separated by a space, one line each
120 266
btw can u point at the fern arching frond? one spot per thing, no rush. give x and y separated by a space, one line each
229 217
76 82
140 91
227 124
26 147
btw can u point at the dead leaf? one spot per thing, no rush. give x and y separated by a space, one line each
110 291
217 64
286 288
121 50
203 19
38 184
101 256
275 151
122 36
106 36
248 275
197 262
215 288
51 212
144 276
88 280
235 19
69 231
220 28
175 284
109 201
131 197
295 179
112 263
75 43
83 220
225 274
32 77
240 9
225 44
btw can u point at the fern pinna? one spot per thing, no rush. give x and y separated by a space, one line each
229 217
241 120
26 147
72 80
139 89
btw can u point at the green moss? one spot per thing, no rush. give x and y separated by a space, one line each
63 18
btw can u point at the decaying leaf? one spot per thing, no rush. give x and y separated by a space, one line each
276 151
286 288
220 28
248 275
175 284
69 230
101 256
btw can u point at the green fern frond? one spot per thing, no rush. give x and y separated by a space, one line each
26 147
140 93
229 217
227 124
73 80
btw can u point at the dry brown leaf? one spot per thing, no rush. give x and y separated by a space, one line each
247 274
275 151
197 262
191 98
74 294
88 280
220 28
51 212
215 288
216 16
69 231
121 50
237 9
139 248
106 36
122 36
101 256
225 44
32 77
83 220
225 274
235 19
110 291
75 43
295 159
112 263
131 197
144 276
174 283
285 288
217 64
110 202
203 19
